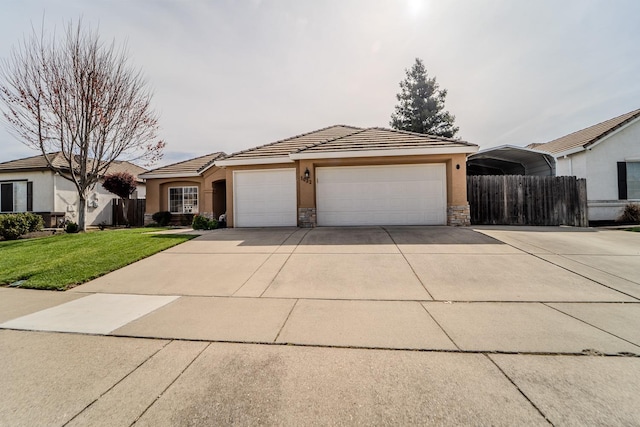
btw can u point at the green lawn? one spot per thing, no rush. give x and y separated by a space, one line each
63 261
637 229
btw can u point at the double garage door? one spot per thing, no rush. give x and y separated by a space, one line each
360 195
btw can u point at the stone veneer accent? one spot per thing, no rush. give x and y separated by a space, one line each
148 219
307 217
459 215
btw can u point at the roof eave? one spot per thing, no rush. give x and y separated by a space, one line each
384 153
253 161
168 175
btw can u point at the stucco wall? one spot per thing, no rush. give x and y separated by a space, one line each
98 202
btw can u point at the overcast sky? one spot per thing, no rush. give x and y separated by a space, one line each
229 75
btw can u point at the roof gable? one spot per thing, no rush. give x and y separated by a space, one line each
588 136
187 167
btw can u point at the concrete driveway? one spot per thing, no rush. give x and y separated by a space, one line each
290 326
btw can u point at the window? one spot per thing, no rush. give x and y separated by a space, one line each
629 180
633 180
15 196
183 200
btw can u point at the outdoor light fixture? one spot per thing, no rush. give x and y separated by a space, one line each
307 176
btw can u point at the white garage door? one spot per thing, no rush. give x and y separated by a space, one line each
382 195
265 198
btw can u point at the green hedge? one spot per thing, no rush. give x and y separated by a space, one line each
15 225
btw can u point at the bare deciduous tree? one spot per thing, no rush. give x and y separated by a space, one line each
79 96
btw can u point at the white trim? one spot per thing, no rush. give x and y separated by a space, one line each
382 153
169 175
632 159
253 161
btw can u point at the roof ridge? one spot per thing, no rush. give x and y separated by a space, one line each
289 138
212 161
299 150
633 114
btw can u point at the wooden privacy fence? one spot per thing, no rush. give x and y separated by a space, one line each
135 212
527 200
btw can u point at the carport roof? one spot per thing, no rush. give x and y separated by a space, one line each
511 160
191 167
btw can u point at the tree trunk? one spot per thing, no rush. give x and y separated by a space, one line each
82 213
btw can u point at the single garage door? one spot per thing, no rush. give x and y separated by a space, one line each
265 198
382 195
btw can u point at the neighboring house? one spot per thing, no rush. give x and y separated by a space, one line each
339 175
608 156
188 187
28 185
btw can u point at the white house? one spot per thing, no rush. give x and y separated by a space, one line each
28 185
608 156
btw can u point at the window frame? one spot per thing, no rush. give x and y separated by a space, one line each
27 192
195 208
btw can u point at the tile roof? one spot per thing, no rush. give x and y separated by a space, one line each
587 136
373 139
186 167
290 145
57 160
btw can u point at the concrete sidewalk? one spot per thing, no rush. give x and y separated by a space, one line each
321 326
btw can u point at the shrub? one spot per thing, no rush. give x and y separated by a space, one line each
631 213
201 222
71 227
13 226
34 222
162 218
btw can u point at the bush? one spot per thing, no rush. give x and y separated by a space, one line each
203 223
162 218
71 227
34 222
631 214
15 225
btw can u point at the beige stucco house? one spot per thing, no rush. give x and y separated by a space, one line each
339 175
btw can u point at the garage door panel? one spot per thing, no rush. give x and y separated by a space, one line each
382 195
265 198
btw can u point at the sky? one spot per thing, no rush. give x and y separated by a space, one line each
228 75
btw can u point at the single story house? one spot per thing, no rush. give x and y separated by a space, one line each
189 187
335 176
608 156
28 185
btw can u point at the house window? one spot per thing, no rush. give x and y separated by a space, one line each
183 200
629 180
633 180
15 196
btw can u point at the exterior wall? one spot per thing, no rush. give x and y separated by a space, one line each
157 191
458 206
599 166
42 187
98 202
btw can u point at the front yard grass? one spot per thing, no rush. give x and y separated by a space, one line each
636 229
62 261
